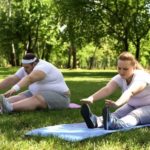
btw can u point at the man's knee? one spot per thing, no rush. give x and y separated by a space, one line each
40 100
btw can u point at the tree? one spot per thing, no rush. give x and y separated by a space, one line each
26 29
140 24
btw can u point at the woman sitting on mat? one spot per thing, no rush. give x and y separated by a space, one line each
134 101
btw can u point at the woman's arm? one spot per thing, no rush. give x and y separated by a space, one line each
134 89
102 93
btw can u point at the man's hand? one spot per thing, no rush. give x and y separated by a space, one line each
10 92
88 100
111 103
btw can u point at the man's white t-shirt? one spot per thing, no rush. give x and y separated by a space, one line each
53 81
142 98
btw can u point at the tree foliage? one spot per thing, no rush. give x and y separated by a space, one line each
81 33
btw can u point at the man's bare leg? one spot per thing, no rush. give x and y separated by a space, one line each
16 98
30 103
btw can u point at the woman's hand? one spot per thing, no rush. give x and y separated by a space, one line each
111 103
88 100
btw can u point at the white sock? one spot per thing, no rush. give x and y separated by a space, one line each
100 121
8 105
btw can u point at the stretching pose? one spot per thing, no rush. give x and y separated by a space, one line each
45 83
134 102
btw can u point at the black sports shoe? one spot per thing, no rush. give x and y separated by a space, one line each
111 122
106 118
89 118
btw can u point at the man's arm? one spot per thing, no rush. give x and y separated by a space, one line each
34 76
9 81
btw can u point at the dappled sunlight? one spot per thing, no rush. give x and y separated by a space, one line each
90 79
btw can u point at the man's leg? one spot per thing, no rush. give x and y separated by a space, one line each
26 104
20 96
30 103
16 98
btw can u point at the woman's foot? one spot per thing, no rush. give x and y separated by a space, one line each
89 118
111 122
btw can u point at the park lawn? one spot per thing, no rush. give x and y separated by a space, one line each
82 83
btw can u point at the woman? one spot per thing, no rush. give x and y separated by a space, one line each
134 102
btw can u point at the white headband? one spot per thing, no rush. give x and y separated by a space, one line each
25 61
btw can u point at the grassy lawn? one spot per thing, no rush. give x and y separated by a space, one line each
82 83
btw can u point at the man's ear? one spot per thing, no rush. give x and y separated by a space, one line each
34 64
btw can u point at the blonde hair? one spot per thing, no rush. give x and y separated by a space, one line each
128 56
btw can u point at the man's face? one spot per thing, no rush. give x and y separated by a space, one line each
28 67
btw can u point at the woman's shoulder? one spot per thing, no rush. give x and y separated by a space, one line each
141 72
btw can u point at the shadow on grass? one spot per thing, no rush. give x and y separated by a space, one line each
106 74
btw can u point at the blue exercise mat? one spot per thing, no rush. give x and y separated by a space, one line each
74 132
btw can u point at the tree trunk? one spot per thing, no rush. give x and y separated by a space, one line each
74 63
91 61
137 55
13 55
28 47
69 57
126 45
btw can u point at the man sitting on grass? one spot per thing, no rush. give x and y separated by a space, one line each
45 83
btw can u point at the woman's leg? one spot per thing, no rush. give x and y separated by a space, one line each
140 115
119 113
143 114
130 120
123 111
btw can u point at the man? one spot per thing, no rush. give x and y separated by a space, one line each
46 87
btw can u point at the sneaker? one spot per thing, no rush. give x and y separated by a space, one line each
89 118
111 122
4 104
106 118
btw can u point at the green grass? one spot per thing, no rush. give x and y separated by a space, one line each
82 83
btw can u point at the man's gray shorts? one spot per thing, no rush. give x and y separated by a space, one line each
53 99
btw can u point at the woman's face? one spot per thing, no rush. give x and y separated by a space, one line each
125 69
